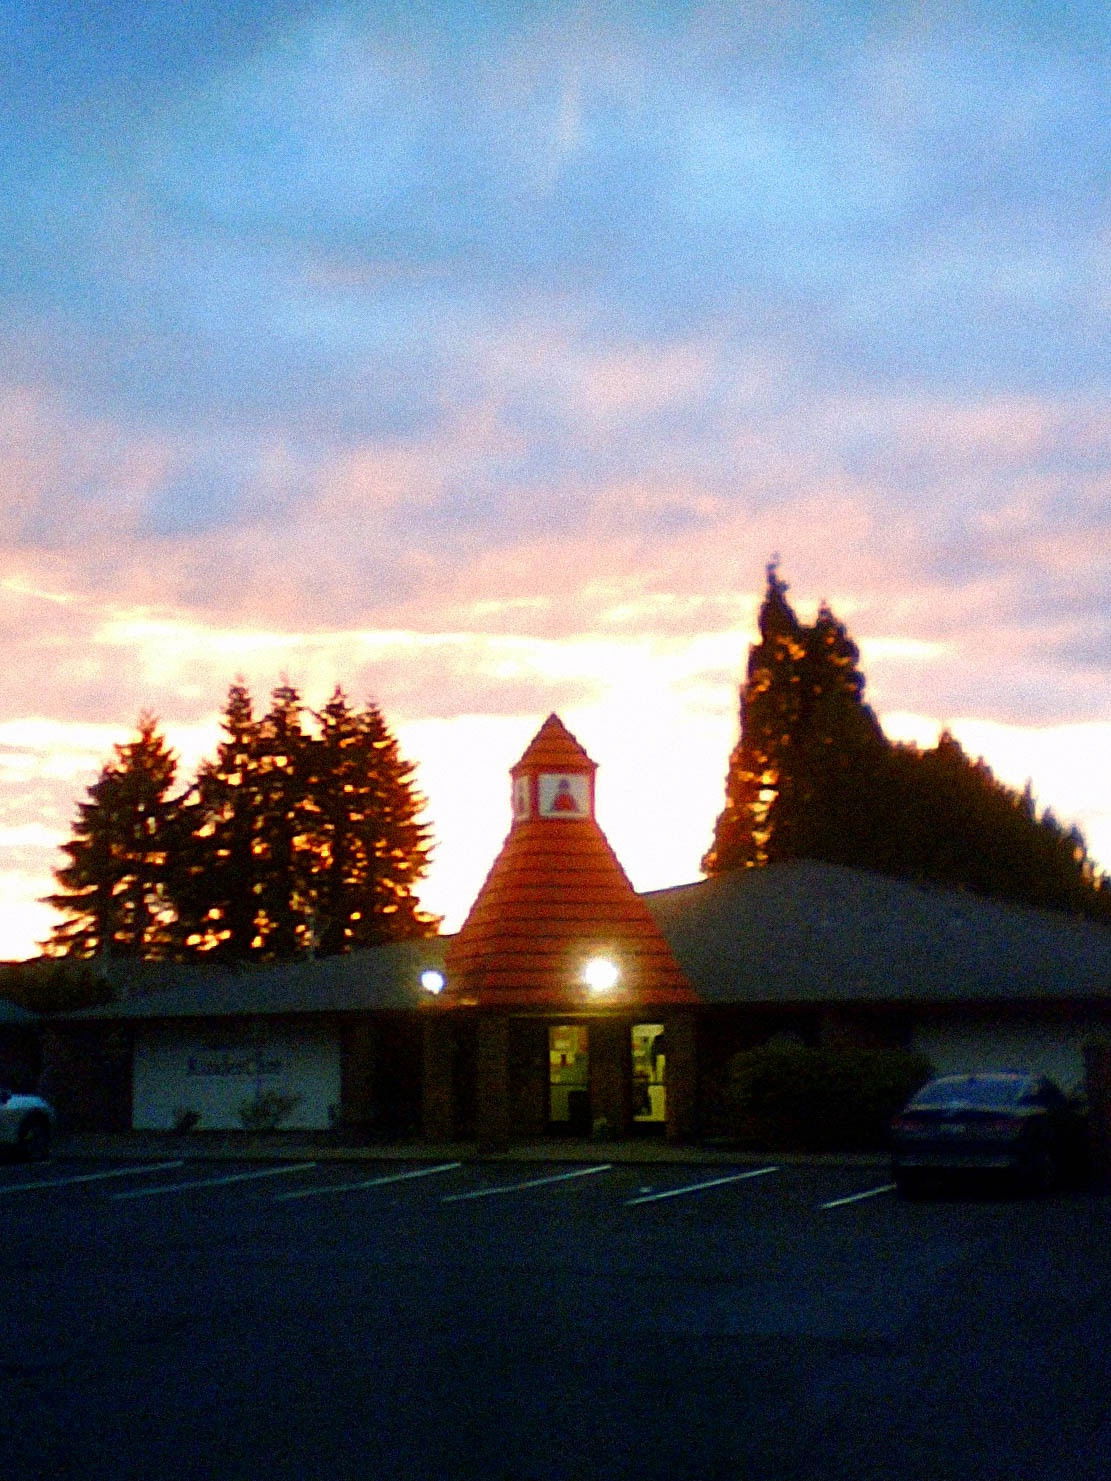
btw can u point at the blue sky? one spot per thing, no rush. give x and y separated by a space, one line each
479 357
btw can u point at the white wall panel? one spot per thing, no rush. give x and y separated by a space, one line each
214 1071
956 1045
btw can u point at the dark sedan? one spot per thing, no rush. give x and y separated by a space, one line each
1016 1125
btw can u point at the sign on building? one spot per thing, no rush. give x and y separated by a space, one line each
230 1078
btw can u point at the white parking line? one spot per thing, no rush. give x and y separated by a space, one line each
559 1177
736 1177
235 1177
856 1197
94 1177
396 1177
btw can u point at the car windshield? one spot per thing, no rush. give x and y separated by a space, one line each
973 1090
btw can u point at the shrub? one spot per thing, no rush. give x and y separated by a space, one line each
267 1111
786 1097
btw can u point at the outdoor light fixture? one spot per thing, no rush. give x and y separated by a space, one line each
432 981
600 974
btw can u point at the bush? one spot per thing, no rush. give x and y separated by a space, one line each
267 1111
785 1097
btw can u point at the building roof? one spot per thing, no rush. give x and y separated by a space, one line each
381 978
797 933
810 932
554 748
556 897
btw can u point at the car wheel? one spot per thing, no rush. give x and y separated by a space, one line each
33 1142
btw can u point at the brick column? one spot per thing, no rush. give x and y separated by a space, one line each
529 1070
492 1108
437 1090
358 1093
1097 1076
681 1078
611 1074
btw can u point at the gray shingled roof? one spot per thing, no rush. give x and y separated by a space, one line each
797 932
386 977
804 931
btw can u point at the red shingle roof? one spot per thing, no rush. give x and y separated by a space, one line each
554 748
555 897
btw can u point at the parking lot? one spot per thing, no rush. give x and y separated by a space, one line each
179 1318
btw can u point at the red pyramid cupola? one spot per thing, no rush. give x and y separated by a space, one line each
554 778
555 899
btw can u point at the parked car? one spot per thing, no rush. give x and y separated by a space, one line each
26 1125
1016 1125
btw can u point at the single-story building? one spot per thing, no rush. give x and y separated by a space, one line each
568 1002
837 955
339 1038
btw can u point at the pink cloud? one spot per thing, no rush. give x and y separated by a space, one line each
70 481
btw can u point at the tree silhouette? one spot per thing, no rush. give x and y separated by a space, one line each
813 776
835 752
113 891
769 714
297 842
288 842
368 846
283 862
214 868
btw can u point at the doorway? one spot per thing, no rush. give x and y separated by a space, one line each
649 1055
569 1079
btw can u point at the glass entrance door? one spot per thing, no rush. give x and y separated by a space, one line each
649 1074
569 1078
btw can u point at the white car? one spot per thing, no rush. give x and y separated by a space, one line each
26 1125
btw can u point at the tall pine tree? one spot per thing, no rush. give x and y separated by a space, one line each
836 752
813 776
369 846
770 699
214 867
113 891
282 847
241 873
294 842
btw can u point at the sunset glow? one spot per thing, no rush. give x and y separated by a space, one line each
479 358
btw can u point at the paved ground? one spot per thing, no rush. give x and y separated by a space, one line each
177 1317
291 1146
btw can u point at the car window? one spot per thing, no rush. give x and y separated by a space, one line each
973 1090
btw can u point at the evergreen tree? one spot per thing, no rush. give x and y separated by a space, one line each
282 842
813 776
113 891
241 877
293 842
950 820
368 846
214 868
836 752
769 712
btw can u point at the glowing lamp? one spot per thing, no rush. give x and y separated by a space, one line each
432 981
600 974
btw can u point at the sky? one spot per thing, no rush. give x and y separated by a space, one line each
478 357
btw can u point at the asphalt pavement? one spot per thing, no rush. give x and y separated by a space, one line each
288 1317
292 1145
